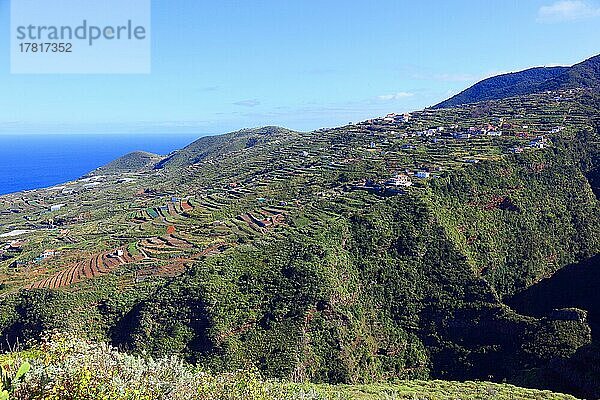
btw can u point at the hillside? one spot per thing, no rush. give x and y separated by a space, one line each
68 368
137 161
575 286
535 80
222 145
370 253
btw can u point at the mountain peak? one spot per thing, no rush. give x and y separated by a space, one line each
533 80
215 145
135 161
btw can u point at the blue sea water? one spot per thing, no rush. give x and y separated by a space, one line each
37 161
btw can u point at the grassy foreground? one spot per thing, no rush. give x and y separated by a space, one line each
72 369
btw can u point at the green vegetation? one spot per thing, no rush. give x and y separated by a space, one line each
138 161
68 368
376 255
12 375
534 80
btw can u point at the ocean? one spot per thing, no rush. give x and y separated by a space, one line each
37 161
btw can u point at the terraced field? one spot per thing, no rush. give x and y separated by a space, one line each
380 249
96 265
164 253
247 190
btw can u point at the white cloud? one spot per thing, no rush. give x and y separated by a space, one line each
395 96
568 10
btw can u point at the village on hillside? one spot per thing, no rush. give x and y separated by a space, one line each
155 223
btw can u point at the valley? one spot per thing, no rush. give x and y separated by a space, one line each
388 249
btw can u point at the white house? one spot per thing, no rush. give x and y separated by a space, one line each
399 180
56 207
516 150
539 143
459 135
49 254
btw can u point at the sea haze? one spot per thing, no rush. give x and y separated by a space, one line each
37 161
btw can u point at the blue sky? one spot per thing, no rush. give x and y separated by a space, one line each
222 65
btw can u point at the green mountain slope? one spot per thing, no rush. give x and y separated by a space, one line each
374 252
534 80
137 161
222 145
585 74
573 286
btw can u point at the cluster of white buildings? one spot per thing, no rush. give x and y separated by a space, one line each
397 118
405 180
